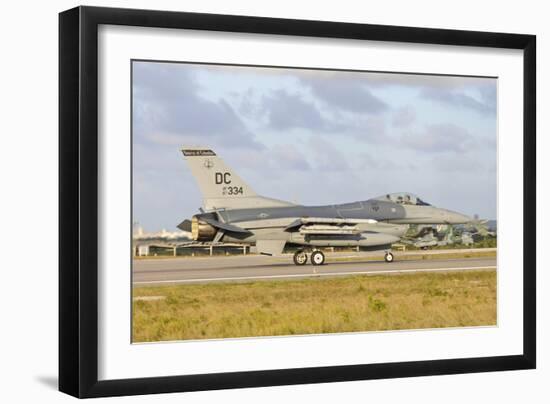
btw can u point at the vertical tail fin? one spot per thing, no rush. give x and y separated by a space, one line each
220 186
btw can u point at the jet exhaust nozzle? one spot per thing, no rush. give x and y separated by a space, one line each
202 231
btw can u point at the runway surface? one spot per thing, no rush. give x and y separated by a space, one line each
253 267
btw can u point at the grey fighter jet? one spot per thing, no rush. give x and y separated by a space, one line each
233 212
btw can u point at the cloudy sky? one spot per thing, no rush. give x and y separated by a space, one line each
312 137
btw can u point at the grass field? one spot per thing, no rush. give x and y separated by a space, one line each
314 306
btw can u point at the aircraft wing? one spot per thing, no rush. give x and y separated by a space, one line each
324 225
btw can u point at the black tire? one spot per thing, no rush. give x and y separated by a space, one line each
317 258
388 257
300 258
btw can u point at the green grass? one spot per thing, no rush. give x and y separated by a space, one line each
314 306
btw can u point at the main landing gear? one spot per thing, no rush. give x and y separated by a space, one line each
300 257
317 257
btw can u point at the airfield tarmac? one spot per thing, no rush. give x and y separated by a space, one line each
257 267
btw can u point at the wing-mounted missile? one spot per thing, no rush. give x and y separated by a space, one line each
328 229
326 222
328 226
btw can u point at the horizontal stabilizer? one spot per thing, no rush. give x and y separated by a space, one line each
185 225
224 226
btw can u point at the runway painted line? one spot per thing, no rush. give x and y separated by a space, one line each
314 275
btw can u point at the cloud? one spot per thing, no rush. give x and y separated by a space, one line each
344 94
425 80
375 80
249 103
288 111
352 91
377 161
404 117
462 163
439 138
326 156
168 109
371 129
488 95
486 105
269 161
288 157
283 111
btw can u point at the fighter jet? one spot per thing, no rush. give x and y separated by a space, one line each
233 212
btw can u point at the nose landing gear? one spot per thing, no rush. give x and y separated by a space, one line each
388 257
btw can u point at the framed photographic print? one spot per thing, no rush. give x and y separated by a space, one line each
250 201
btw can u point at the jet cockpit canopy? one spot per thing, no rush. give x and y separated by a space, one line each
403 198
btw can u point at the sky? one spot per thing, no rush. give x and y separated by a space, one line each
312 137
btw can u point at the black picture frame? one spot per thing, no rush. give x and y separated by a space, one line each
78 201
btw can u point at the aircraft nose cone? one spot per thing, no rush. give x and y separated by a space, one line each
456 218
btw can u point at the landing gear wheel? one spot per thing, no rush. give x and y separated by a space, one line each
317 258
388 257
300 257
